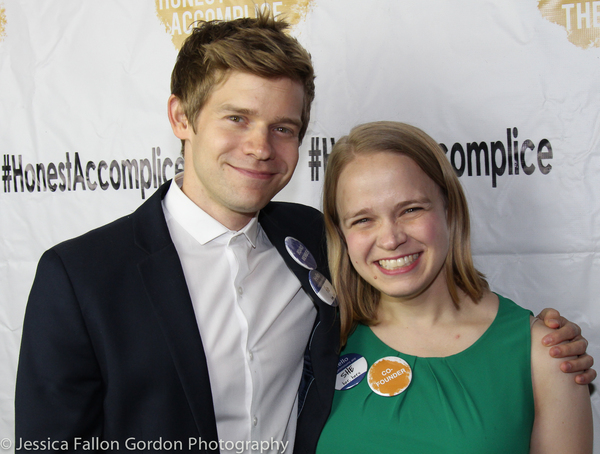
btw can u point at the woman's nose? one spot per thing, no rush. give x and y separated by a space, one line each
391 235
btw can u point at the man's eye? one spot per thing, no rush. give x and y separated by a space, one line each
284 130
412 209
235 118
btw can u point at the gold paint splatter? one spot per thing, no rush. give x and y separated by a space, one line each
2 23
177 16
581 20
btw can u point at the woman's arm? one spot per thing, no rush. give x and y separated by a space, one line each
563 412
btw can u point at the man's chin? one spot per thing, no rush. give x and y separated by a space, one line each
255 202
247 208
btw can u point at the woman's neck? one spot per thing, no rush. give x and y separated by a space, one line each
432 325
433 305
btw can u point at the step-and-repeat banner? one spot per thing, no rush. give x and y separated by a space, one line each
510 88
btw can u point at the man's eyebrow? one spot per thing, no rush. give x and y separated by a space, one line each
289 121
235 109
245 111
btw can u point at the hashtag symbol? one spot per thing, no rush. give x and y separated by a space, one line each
325 153
6 176
314 162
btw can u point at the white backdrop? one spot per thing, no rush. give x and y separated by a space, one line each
84 87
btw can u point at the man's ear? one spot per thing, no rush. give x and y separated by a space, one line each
179 122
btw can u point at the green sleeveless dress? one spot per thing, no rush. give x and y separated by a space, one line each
479 401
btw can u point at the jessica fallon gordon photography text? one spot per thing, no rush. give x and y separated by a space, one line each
160 444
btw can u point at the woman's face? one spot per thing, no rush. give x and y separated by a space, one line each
393 218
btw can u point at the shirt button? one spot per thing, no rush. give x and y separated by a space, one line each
255 421
251 356
240 290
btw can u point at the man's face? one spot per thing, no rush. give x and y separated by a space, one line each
245 147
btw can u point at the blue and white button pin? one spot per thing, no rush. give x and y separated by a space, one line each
322 287
319 283
352 368
300 253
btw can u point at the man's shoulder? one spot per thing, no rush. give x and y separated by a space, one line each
295 212
115 234
294 219
99 235
280 220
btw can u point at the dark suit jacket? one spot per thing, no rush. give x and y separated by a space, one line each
111 348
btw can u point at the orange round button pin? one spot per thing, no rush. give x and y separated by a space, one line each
389 376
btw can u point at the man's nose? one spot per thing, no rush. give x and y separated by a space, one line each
258 144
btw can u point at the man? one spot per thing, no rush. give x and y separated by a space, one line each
188 325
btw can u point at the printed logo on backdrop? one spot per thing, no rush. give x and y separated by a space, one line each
495 159
2 23
73 173
178 16
581 20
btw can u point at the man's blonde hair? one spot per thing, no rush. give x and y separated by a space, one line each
256 46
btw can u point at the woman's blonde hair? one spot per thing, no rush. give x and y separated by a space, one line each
358 299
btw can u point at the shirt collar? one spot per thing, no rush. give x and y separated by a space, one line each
197 222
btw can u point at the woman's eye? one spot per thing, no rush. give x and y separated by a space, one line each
360 221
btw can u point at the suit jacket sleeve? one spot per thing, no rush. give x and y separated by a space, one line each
59 387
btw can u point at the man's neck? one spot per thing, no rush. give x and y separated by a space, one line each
233 220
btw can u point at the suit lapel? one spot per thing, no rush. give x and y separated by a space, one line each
277 230
280 220
167 291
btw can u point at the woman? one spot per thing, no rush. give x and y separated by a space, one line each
475 377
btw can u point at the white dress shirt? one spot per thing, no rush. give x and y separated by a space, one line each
254 321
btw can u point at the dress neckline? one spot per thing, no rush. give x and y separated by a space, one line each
501 307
